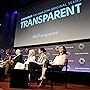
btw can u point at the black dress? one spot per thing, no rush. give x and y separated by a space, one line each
18 59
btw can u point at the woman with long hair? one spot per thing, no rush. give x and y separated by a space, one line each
31 56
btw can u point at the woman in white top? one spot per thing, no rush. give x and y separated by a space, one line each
31 57
59 60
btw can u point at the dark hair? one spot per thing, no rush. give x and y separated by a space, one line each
8 51
64 49
42 49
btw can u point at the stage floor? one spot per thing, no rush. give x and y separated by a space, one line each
4 85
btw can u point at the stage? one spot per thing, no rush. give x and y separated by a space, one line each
4 85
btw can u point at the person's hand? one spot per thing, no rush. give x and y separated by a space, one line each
39 63
12 61
51 62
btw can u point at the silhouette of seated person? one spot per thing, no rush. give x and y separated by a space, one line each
59 60
18 58
31 57
36 65
7 62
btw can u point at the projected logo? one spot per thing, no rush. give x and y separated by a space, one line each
57 12
26 50
2 51
81 46
82 61
56 48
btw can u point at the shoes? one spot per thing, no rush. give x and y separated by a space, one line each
42 78
39 78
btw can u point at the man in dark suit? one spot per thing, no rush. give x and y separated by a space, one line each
18 57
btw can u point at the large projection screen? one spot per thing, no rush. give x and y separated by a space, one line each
52 21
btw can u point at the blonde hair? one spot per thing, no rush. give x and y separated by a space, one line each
8 51
32 52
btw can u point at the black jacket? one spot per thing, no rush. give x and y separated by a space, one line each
18 59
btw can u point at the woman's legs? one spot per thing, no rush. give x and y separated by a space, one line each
42 76
43 73
6 70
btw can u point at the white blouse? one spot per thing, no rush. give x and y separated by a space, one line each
30 59
59 60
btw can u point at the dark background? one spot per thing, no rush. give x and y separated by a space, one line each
8 9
